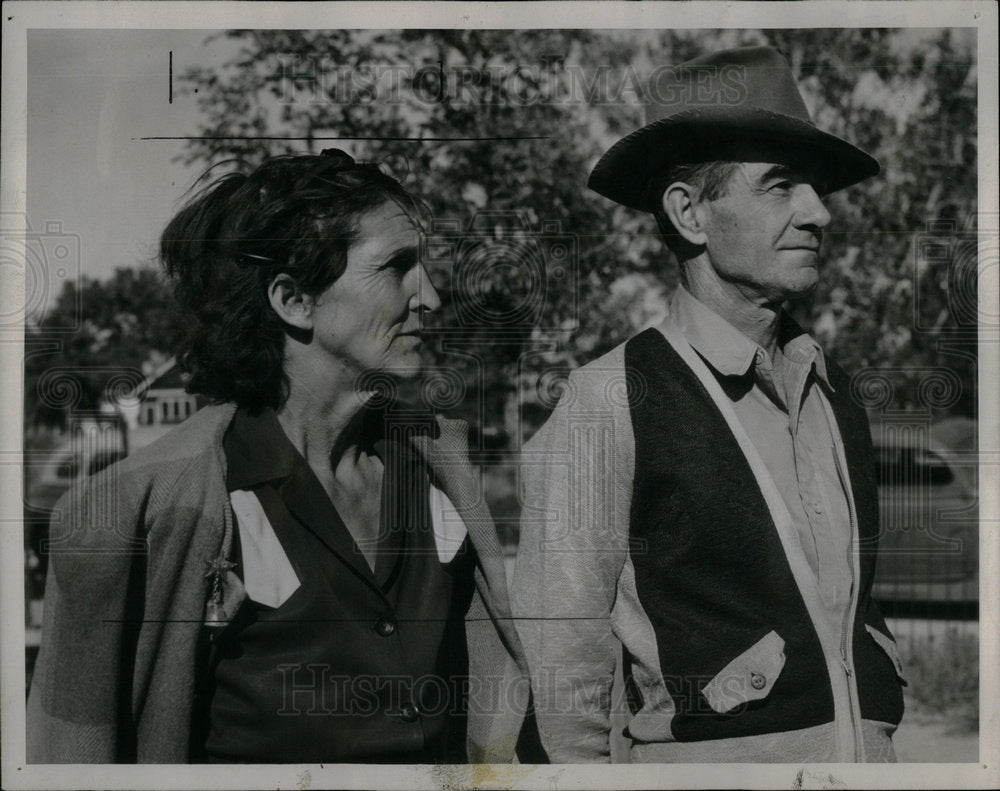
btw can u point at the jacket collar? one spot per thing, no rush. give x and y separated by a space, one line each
257 450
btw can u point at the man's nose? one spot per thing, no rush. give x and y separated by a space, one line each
425 297
810 209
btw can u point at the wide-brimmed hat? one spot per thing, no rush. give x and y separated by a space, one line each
699 107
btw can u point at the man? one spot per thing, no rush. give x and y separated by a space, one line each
704 494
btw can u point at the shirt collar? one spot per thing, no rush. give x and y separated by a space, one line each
801 348
728 350
258 450
725 348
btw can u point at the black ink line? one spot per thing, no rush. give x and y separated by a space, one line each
346 137
171 100
366 620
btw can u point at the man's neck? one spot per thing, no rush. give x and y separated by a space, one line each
756 319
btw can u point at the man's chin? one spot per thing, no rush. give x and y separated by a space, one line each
805 285
407 368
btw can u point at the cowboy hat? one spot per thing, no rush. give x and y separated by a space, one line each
695 109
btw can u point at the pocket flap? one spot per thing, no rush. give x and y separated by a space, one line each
748 677
888 645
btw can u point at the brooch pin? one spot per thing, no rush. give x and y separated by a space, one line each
215 612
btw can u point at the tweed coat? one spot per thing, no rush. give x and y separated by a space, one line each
127 591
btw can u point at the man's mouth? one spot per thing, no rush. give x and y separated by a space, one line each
812 245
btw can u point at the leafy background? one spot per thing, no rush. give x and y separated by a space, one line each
896 305
897 299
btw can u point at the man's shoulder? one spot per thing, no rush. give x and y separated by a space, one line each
597 390
838 377
608 377
608 364
599 385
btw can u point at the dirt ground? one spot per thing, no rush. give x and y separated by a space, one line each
925 738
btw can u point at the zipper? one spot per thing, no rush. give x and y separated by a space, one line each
847 634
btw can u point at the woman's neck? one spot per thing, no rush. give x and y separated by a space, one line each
324 427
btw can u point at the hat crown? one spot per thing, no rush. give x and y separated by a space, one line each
699 108
747 78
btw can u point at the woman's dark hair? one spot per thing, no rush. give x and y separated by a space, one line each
294 214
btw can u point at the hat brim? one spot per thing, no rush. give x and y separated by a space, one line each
624 172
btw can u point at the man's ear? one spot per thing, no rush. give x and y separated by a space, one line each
680 204
292 305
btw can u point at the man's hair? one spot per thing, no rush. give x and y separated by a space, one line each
295 214
710 178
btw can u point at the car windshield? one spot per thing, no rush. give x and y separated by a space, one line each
101 460
67 467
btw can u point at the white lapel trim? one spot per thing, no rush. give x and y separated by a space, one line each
449 528
268 576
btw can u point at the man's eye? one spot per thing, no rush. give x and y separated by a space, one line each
400 265
780 187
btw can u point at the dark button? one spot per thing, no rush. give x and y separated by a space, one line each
409 713
758 680
385 626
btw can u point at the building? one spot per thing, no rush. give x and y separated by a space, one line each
157 405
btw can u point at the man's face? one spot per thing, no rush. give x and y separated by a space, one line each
371 317
764 233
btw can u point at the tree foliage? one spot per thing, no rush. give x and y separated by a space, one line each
497 131
96 333
885 307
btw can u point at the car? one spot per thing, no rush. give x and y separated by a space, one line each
48 474
929 512
49 477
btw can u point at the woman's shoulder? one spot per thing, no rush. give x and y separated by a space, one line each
176 469
199 434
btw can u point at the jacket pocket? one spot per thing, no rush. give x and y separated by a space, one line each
888 645
750 676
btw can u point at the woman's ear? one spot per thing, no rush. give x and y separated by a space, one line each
681 205
292 305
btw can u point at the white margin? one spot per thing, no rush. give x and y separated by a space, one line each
19 17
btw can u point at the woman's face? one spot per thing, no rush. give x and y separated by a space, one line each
371 318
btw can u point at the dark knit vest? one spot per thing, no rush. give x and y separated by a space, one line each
710 569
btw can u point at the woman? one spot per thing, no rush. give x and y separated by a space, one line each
277 580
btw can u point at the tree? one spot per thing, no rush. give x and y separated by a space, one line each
510 122
117 328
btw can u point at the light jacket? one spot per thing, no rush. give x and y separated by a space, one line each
128 587
577 600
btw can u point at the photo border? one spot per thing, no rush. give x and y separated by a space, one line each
20 17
